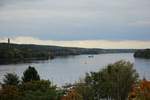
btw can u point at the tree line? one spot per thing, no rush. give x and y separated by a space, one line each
14 53
11 53
142 53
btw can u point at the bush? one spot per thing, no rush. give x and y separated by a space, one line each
11 79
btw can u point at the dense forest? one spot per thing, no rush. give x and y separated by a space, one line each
10 53
142 53
118 81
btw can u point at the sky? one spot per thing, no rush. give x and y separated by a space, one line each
79 23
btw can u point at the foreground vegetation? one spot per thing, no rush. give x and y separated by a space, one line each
142 53
118 81
111 83
30 88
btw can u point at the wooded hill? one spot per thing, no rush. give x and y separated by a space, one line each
142 54
25 52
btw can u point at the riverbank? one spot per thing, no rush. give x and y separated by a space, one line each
16 53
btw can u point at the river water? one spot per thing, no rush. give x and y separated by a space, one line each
70 69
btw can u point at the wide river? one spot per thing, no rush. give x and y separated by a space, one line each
70 69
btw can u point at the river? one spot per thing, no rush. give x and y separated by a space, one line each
70 69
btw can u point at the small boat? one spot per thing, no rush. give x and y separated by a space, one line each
91 56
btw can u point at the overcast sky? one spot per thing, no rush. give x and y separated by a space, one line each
127 21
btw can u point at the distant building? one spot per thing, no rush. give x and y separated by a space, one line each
8 41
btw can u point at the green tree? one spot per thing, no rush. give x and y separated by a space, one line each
11 79
113 82
30 74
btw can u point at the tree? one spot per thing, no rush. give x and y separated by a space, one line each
140 91
84 90
113 82
11 79
72 94
30 74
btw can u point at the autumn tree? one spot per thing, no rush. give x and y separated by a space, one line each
140 91
72 94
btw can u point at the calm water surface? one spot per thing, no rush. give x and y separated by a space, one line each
70 69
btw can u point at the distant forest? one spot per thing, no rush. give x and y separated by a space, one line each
13 53
142 53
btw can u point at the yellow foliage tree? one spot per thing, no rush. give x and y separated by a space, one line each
72 94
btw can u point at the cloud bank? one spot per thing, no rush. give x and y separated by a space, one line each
82 43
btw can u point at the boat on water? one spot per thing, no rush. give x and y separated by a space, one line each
91 56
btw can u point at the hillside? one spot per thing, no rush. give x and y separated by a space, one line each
25 52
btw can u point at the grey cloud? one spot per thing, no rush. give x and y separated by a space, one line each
93 18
